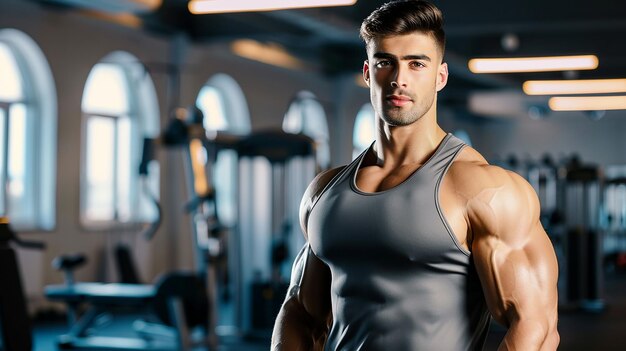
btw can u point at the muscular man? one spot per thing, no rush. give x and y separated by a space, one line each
417 242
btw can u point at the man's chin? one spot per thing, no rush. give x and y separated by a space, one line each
398 123
396 120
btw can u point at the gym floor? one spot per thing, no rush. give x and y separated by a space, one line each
604 331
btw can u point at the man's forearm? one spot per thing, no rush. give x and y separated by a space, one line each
529 335
296 330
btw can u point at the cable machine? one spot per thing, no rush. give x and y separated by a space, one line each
583 241
274 169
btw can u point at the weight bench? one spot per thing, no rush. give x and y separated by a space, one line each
177 299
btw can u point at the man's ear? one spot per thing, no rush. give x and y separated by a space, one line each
366 72
442 76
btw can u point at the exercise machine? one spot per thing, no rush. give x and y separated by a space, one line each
274 169
15 324
181 301
583 268
614 218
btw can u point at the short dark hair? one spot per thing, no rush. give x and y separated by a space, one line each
403 17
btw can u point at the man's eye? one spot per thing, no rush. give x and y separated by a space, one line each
417 64
383 63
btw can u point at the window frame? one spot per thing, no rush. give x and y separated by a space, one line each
322 143
140 128
35 210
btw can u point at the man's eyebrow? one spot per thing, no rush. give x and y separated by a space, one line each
404 58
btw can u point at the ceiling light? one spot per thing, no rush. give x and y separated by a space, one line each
533 64
125 19
588 103
272 54
581 86
114 6
220 6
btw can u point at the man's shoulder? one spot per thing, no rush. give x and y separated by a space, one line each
495 198
321 181
313 192
471 173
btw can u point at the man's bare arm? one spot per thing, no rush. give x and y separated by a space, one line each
304 318
516 262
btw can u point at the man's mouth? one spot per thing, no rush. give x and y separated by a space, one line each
398 100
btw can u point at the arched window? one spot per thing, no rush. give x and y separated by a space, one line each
364 131
306 115
225 109
28 125
119 110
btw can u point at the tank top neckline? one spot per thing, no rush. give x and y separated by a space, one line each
354 171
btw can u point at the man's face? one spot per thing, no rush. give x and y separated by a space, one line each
404 74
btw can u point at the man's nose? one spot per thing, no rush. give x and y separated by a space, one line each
399 80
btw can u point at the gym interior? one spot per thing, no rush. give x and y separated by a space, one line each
153 158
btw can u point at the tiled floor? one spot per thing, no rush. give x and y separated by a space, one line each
580 331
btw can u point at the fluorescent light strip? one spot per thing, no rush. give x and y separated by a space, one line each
587 103
125 19
533 64
581 86
198 7
271 54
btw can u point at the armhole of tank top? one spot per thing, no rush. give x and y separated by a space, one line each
336 178
306 258
453 236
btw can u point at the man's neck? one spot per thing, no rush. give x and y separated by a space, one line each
411 144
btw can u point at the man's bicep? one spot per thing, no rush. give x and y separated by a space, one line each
519 282
514 257
303 320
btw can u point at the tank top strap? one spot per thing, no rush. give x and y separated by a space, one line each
346 172
353 167
446 154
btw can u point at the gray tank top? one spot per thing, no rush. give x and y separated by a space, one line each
400 279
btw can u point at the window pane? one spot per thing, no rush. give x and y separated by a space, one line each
147 209
210 102
10 77
226 187
292 123
21 186
106 91
314 119
306 115
100 168
17 150
3 154
124 169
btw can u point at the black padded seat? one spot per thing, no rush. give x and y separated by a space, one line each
69 262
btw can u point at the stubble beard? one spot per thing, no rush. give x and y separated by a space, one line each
397 117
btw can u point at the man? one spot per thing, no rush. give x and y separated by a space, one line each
415 243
